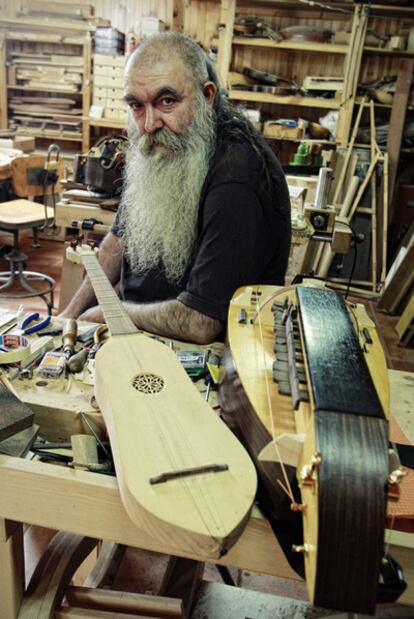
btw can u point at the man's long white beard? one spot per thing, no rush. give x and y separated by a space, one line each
162 188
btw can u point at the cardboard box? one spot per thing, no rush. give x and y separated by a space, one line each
272 130
20 142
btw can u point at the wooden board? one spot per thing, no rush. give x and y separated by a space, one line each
15 415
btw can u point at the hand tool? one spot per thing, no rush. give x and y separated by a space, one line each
25 329
69 333
101 334
76 362
86 335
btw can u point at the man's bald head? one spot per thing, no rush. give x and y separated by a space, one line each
171 48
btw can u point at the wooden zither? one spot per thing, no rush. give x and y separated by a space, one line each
307 393
182 474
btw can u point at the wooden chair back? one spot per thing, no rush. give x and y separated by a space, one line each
20 175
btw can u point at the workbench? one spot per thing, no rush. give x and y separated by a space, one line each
68 212
89 505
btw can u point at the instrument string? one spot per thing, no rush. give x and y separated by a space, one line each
173 434
286 486
169 432
391 529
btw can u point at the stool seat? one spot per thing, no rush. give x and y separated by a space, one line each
34 176
23 213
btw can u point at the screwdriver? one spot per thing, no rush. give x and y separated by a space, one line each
69 333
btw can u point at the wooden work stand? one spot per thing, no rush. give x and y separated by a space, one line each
85 507
68 212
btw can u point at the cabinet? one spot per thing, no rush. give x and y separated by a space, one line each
45 87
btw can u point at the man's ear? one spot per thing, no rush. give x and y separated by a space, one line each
209 91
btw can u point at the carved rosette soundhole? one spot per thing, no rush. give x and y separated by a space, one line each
148 383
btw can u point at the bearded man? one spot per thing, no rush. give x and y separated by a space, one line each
205 207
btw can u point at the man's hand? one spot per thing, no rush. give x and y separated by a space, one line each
93 314
110 258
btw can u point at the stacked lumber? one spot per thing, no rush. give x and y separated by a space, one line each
40 71
65 17
34 115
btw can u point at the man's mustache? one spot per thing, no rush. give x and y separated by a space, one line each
164 137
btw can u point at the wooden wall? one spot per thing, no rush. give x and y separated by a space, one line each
126 14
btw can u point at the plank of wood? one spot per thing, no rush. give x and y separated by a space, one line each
227 17
124 602
11 572
15 415
397 121
19 444
106 567
406 321
62 499
400 284
90 613
180 582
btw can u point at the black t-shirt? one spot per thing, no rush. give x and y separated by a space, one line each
243 237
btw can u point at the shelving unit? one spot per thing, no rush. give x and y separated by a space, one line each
263 97
43 58
292 59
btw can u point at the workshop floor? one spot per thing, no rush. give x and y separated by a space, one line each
142 571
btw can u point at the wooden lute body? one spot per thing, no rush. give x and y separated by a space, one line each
338 439
182 474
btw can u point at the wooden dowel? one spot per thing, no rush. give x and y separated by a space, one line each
73 612
348 153
373 198
328 254
363 186
121 601
385 219
358 292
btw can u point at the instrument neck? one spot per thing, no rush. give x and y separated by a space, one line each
115 315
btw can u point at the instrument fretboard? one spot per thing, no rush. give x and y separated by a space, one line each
115 315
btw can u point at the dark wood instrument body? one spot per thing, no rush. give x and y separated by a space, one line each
352 438
350 432
352 510
241 418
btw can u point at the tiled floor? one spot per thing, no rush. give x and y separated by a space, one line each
142 571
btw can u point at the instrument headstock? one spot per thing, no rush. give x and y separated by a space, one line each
75 252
